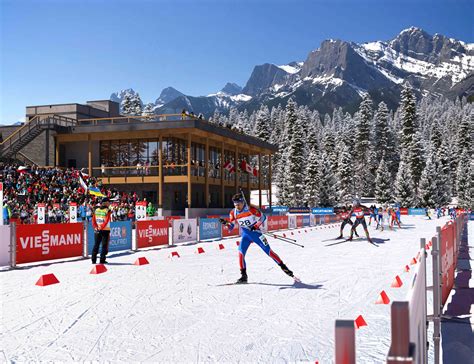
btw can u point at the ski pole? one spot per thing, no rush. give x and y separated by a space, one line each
279 237
284 239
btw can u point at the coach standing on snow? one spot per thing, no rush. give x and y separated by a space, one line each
101 224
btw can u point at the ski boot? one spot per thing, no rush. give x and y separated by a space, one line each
243 278
285 269
339 237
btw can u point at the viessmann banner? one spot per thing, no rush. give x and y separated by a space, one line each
120 236
40 242
152 233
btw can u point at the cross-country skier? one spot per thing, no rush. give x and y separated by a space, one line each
250 219
346 219
359 210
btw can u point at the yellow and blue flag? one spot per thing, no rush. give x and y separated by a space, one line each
94 191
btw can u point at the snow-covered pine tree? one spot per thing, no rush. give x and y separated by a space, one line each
345 174
262 125
404 186
282 164
416 154
296 160
462 181
470 192
383 183
312 179
148 110
329 147
427 193
126 105
408 117
136 104
327 186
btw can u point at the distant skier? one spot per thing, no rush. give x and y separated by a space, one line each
250 219
346 219
372 214
359 211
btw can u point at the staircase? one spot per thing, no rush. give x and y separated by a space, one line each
31 130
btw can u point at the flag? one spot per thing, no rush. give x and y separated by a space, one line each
229 166
22 169
248 168
94 191
82 182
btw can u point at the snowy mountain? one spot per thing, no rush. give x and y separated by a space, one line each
339 73
167 95
232 89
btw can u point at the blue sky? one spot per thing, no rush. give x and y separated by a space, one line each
57 51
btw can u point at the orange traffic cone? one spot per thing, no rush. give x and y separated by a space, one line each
382 299
407 268
141 261
98 269
413 261
397 282
47 279
359 322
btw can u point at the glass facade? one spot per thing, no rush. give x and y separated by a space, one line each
128 157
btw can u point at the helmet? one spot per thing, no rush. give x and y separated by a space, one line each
238 198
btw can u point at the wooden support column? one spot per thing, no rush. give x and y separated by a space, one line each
259 180
189 170
160 173
248 177
206 174
89 147
56 152
270 179
222 162
237 170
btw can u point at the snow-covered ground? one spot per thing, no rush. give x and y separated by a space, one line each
180 310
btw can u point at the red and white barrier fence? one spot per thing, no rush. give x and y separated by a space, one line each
410 319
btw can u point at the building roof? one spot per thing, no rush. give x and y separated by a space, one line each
107 127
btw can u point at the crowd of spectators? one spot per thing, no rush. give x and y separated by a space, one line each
25 187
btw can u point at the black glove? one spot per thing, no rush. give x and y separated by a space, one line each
253 228
223 221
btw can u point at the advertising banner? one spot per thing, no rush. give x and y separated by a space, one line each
73 212
283 222
278 209
184 230
299 210
403 211
291 221
322 210
273 223
5 246
140 210
419 212
41 213
417 309
234 232
209 229
312 220
152 233
120 236
447 252
36 243
1 203
299 221
306 220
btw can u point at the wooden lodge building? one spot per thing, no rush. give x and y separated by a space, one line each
165 158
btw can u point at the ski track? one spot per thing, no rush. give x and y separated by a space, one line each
174 310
